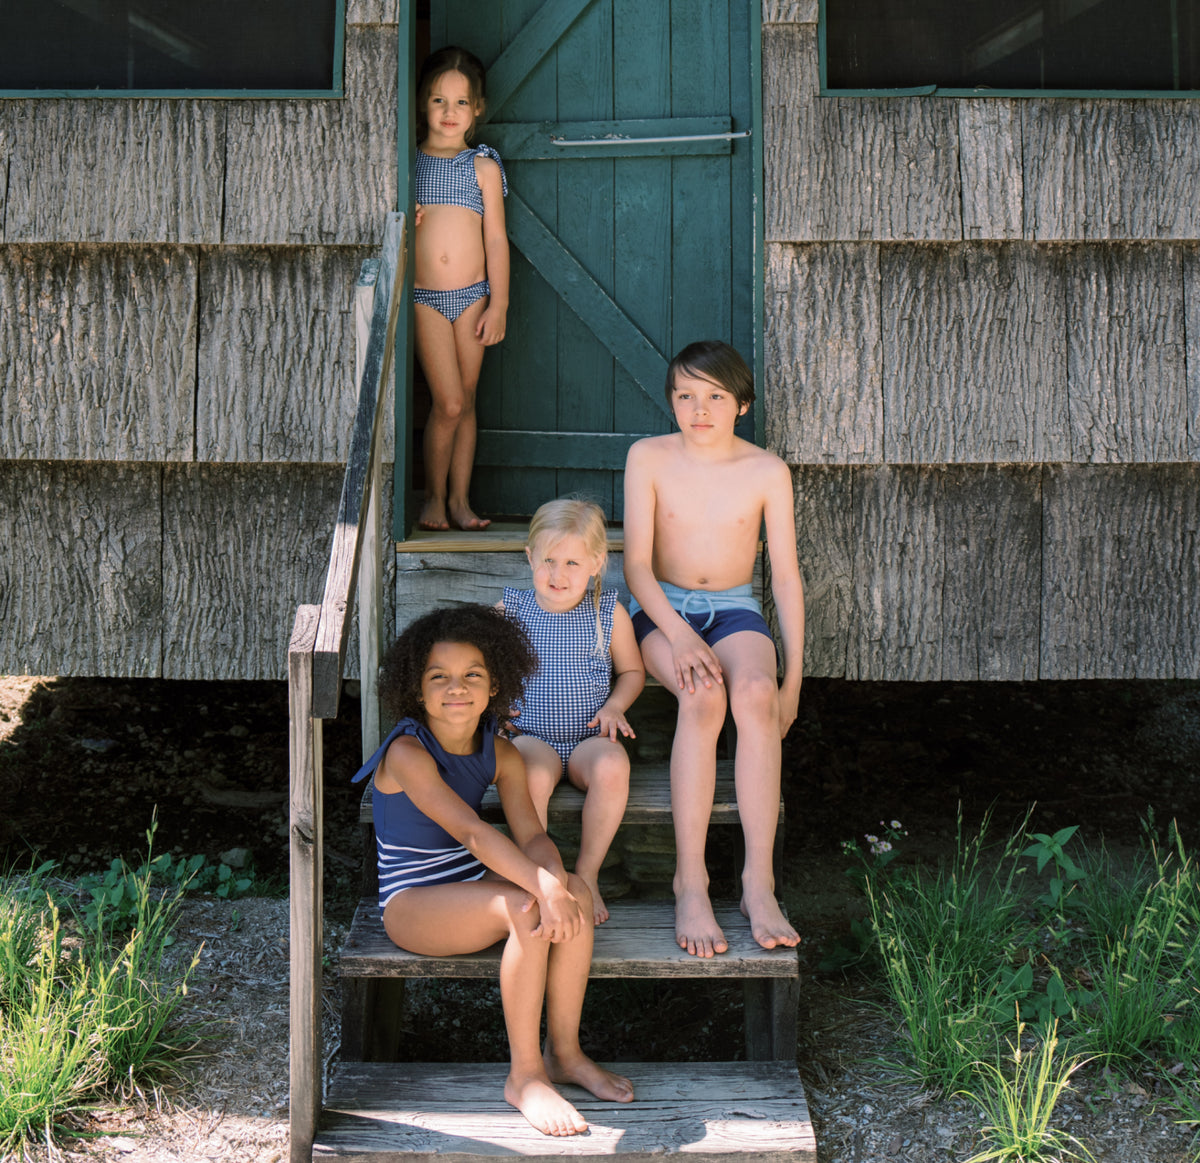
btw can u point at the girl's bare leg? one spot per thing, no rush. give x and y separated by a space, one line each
566 982
748 662
543 770
693 784
450 357
599 767
484 912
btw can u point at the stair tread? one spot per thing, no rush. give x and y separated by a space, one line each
637 941
649 798
382 1111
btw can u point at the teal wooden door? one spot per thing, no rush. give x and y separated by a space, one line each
627 128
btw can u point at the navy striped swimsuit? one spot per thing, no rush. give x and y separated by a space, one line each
412 850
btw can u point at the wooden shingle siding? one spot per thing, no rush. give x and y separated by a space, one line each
98 350
1112 169
1191 287
80 584
974 359
824 356
323 171
243 545
276 359
790 11
993 192
371 11
1125 344
1121 572
5 154
852 168
115 171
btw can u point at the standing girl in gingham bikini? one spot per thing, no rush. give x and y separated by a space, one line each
573 711
461 277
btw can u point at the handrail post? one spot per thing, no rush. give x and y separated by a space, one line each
305 896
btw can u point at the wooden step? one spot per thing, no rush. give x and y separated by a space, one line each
638 940
382 1112
649 798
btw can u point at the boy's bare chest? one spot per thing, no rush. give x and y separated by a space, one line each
719 499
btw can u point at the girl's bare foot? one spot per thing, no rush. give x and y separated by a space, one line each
461 517
768 925
696 927
433 517
546 1109
582 1071
599 908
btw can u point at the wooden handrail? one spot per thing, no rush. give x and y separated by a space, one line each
316 659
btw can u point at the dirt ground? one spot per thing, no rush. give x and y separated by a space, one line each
84 764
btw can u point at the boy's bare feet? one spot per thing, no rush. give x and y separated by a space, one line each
433 517
546 1109
696 927
768 925
461 517
582 1071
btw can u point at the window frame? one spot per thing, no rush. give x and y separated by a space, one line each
938 91
335 91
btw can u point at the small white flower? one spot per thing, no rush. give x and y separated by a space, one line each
896 825
872 840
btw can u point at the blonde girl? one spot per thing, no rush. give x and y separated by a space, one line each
461 274
450 883
589 673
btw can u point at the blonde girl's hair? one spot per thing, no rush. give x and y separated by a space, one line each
571 516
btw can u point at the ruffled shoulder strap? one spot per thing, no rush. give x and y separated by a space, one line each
487 151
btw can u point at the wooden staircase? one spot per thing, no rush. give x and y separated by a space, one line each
376 1109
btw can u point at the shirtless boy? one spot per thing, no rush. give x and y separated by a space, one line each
695 502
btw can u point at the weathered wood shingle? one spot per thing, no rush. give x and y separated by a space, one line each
116 170
824 356
1125 343
852 168
974 361
80 583
790 11
1191 285
1111 169
371 11
993 189
1121 572
98 350
276 364
243 546
318 171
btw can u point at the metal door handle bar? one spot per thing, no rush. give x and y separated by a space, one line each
649 140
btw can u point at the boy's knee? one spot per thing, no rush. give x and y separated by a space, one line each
703 706
755 695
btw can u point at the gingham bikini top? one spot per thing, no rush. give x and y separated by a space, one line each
451 181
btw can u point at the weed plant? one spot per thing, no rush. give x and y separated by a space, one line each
1111 961
86 1012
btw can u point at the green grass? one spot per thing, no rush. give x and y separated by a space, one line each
86 1007
1094 961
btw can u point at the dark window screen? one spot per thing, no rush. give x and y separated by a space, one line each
167 44
1006 44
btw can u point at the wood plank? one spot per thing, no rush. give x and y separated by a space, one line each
80 579
825 542
231 583
362 465
586 451
824 353
119 170
1111 169
637 941
896 630
790 11
535 141
305 944
989 135
318 171
1121 572
991 604
6 135
276 365
1191 285
649 798
1125 349
852 168
725 1110
975 368
371 11
99 351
